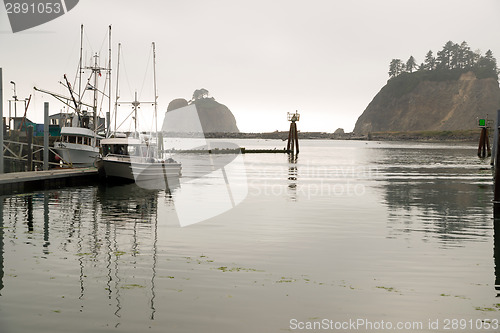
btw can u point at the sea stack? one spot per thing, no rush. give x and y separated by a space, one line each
214 116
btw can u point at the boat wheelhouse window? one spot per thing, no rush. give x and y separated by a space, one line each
71 139
146 152
132 151
119 149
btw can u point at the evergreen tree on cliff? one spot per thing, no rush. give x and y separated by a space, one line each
411 64
450 61
430 61
396 67
444 57
486 65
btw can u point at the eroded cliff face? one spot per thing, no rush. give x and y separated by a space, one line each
432 106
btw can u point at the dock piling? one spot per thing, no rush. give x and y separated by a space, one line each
46 136
483 149
29 141
496 180
495 138
292 145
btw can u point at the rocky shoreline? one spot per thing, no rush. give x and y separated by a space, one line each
421 136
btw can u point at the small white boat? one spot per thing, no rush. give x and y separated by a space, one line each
135 160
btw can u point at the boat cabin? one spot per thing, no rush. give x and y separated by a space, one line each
126 147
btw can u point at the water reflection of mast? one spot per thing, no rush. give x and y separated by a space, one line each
292 176
117 278
108 257
46 222
77 218
155 238
29 212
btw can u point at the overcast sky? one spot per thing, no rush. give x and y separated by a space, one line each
261 58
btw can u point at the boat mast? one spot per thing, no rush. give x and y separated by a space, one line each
80 68
158 144
155 92
135 104
109 82
96 73
117 81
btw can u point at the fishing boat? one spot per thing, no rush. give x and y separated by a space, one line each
82 130
135 160
78 145
138 158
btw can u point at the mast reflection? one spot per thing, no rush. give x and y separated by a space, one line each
292 177
29 212
46 226
107 237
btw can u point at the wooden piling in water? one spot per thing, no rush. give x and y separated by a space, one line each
292 145
29 141
496 251
483 149
496 180
296 137
46 136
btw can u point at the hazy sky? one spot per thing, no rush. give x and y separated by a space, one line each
262 58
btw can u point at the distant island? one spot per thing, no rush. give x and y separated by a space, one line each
444 93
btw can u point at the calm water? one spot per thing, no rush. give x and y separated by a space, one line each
350 230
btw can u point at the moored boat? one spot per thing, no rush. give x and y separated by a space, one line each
79 142
78 146
134 160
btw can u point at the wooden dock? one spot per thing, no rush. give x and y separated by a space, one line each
19 182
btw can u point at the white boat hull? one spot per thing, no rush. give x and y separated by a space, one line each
76 154
152 175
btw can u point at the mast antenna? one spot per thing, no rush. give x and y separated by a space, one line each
80 66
